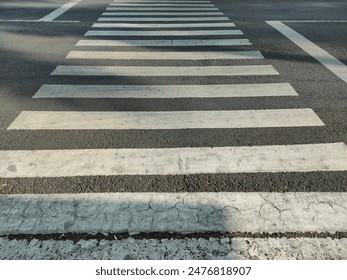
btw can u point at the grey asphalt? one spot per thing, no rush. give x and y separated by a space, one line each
29 52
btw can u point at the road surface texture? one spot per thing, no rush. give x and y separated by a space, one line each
162 129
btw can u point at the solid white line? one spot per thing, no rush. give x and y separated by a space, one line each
164 43
313 21
161 9
160 1
164 91
58 12
329 61
38 21
165 55
163 33
67 120
162 14
176 161
164 19
149 71
161 5
162 25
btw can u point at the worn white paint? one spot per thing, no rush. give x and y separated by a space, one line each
111 55
165 91
164 43
164 33
163 19
163 9
254 212
150 71
58 12
162 14
326 59
34 120
162 25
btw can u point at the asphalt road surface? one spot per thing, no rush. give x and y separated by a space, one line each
216 97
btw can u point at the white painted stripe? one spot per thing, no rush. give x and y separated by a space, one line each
313 21
176 161
255 212
162 25
66 120
164 19
163 33
329 61
162 14
160 1
161 5
149 71
58 12
133 9
38 21
165 55
164 43
164 91
320 250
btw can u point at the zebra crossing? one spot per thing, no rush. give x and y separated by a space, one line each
200 24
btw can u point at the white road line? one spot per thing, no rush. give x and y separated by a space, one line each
67 120
38 21
164 91
162 25
164 43
58 12
150 71
165 55
159 1
329 61
162 14
164 19
161 5
163 33
255 212
177 161
161 9
314 21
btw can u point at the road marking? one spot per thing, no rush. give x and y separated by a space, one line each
162 14
163 33
315 21
164 91
164 19
330 62
150 71
164 43
175 161
161 5
58 12
162 25
67 120
165 55
38 21
158 1
163 9
254 212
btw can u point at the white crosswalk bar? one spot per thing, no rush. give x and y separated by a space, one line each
163 33
165 55
164 43
162 14
165 91
150 71
255 212
163 19
162 25
161 5
161 1
174 161
163 9
67 120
